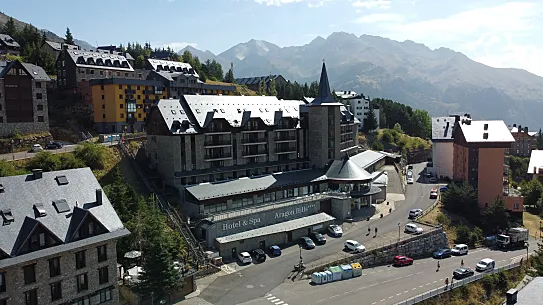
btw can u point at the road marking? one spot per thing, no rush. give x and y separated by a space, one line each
419 272
398 294
428 284
373 303
406 291
421 286
279 303
334 296
382 300
390 297
271 297
435 282
322 300
346 292
413 288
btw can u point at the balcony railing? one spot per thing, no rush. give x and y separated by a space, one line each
218 143
148 92
249 141
253 129
129 91
255 153
284 128
213 157
285 149
285 139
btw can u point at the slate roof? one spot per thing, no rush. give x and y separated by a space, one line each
21 193
99 60
530 133
36 72
169 76
324 97
210 190
8 41
442 128
173 66
536 162
175 117
531 293
58 46
367 158
237 110
347 170
497 132
255 80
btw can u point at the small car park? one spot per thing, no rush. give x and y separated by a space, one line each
460 249
414 213
486 264
442 253
318 238
53 145
307 243
462 273
410 180
433 193
258 255
245 258
413 229
36 148
335 230
274 251
353 245
401 260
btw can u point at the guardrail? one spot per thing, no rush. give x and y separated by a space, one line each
446 288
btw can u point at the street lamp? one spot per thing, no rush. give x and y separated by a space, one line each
540 229
399 238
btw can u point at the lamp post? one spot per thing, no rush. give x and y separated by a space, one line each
527 255
398 238
540 229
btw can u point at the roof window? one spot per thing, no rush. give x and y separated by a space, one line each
62 180
61 206
173 112
198 111
239 110
40 209
222 110
8 217
2 189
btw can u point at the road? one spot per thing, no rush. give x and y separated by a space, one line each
258 280
28 154
384 285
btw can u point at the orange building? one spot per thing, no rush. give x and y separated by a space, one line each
479 158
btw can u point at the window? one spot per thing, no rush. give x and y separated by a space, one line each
103 116
102 87
122 115
120 86
40 107
80 261
101 72
56 291
120 96
1 119
4 301
138 87
29 274
39 96
515 206
103 106
2 282
31 297
104 295
139 96
81 301
103 97
102 253
103 275
139 115
121 106
38 84
40 118
82 282
54 267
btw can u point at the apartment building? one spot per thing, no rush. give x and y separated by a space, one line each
8 45
359 105
479 158
525 141
442 144
180 79
254 171
122 104
55 48
118 51
253 83
58 240
23 98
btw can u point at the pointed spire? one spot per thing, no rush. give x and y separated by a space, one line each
325 95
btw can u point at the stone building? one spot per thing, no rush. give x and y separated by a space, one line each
254 171
55 48
23 99
8 45
525 141
58 240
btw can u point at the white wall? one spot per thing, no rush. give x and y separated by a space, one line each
360 109
442 155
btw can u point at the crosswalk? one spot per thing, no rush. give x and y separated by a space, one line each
275 300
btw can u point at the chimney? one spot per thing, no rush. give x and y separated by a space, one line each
519 128
37 173
486 126
485 135
98 196
511 296
526 129
514 125
535 170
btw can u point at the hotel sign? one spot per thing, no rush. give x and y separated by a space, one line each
294 211
240 223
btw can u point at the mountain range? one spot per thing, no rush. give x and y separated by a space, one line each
440 81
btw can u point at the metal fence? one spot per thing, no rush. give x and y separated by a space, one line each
438 291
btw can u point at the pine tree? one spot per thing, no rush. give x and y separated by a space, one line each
272 89
537 260
370 122
9 28
229 77
69 39
261 88
43 39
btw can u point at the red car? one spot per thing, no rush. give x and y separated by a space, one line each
402 261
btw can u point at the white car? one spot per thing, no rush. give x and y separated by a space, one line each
353 245
245 258
335 230
409 174
414 213
36 147
413 228
410 180
460 249
486 264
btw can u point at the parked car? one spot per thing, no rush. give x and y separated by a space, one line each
353 245
414 213
410 180
462 273
410 166
307 243
53 145
486 264
259 255
433 179
318 238
442 253
409 174
401 260
443 188
274 250
36 148
433 193
460 249
413 228
335 230
245 258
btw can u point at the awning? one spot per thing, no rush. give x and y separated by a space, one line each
278 228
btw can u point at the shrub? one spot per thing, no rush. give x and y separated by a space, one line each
69 161
45 161
387 136
378 146
443 219
7 169
94 155
463 234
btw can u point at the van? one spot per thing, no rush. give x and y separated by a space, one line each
413 228
460 249
486 264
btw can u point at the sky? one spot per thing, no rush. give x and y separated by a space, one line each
497 33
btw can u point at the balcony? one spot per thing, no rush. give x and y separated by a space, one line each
253 141
254 130
285 128
148 92
254 153
217 157
218 143
286 150
285 139
130 100
129 91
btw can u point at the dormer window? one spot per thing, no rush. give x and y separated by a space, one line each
108 63
90 61
40 210
124 64
100 62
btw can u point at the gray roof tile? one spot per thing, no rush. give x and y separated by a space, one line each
91 59
37 72
347 170
8 41
173 66
58 46
442 128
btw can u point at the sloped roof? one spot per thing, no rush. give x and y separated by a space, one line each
497 132
8 41
22 192
169 75
367 158
172 66
255 80
175 117
58 46
324 97
536 162
36 72
99 60
347 170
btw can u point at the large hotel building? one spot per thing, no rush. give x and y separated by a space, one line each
255 171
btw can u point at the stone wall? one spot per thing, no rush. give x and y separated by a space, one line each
417 247
23 144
